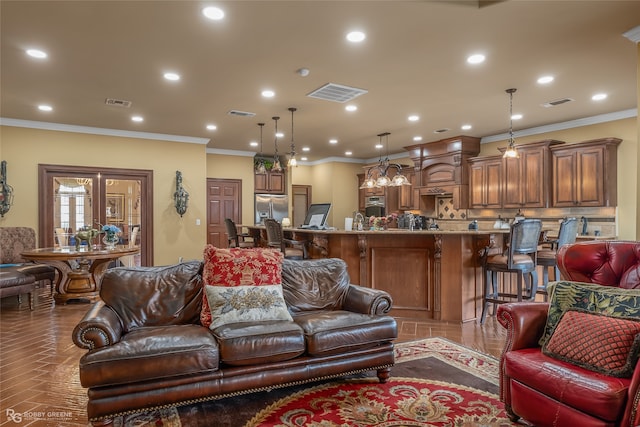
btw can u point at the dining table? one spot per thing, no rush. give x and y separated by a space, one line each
79 270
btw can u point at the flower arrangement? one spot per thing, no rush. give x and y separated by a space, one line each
111 230
381 222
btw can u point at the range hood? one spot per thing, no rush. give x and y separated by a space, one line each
443 167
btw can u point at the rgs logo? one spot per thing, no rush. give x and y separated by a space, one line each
14 416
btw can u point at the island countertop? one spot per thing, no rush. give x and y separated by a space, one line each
430 274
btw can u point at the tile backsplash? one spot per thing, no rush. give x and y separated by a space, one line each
445 209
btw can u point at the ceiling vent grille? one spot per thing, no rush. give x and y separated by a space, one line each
336 93
240 113
443 130
118 102
557 102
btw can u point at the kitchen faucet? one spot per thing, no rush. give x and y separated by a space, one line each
584 225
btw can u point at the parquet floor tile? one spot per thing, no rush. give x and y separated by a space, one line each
39 362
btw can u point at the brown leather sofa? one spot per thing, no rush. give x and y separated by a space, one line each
148 349
546 391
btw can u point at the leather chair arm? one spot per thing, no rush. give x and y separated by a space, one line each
100 327
367 301
524 322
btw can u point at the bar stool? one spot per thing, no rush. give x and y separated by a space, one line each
292 249
236 240
546 256
519 258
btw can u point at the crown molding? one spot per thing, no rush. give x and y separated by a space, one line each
602 118
60 127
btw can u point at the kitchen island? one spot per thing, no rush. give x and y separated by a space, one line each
430 274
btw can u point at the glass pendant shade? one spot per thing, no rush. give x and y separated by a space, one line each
382 167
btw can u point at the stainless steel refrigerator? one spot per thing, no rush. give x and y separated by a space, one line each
274 206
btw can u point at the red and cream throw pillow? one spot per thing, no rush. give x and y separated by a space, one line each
597 342
239 267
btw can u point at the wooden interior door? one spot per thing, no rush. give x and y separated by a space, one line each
224 200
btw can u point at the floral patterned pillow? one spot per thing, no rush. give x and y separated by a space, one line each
246 304
590 297
239 267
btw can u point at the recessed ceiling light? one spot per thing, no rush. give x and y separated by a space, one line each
279 135
465 127
45 107
356 36
172 76
351 108
379 146
333 141
137 118
304 159
213 13
268 93
306 148
348 153
516 117
253 144
36 53
413 118
417 138
212 127
599 96
477 58
545 80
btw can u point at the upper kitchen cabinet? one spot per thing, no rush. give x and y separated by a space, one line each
485 182
407 198
585 174
441 168
270 182
526 178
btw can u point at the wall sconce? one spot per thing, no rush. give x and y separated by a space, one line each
180 197
6 191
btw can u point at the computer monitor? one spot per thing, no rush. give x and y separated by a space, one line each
317 216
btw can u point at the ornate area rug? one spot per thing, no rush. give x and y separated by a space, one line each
435 383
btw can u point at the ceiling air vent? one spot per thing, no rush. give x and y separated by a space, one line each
118 102
336 93
557 102
443 130
240 113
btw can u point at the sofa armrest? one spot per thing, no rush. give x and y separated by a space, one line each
367 301
100 327
524 321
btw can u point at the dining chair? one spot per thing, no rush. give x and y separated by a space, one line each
520 258
292 249
129 260
546 256
235 239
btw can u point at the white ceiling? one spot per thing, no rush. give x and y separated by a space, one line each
413 61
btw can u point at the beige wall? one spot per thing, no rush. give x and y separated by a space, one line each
174 237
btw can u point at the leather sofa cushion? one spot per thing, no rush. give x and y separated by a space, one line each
334 332
251 343
151 353
602 396
319 284
152 296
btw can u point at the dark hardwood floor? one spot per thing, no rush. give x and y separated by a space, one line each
39 362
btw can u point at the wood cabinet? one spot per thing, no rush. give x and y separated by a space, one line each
585 174
407 193
270 182
526 178
485 182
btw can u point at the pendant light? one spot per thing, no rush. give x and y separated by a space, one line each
260 166
292 154
277 167
382 167
511 151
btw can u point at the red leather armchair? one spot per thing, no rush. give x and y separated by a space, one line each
546 391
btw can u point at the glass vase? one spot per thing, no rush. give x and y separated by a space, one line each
110 241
